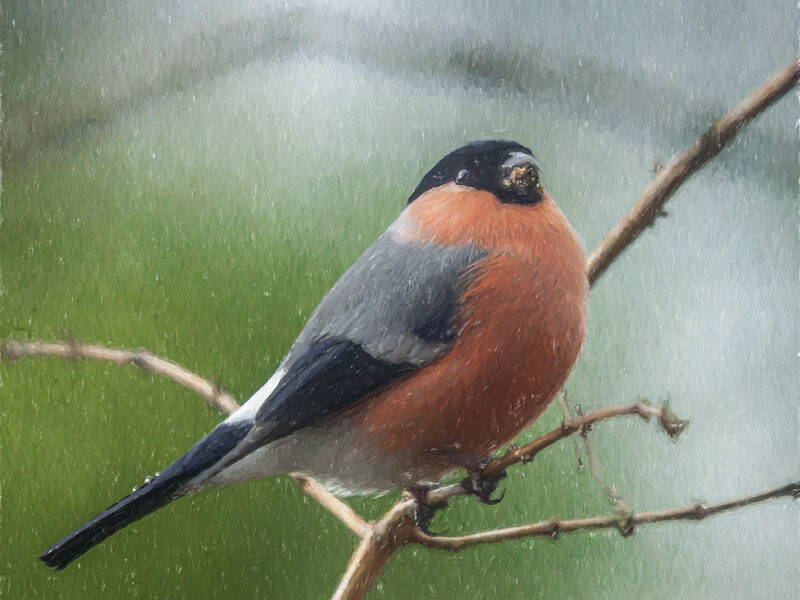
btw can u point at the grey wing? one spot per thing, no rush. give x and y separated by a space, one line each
397 301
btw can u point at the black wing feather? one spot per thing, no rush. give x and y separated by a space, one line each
332 374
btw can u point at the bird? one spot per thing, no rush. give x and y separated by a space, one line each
449 335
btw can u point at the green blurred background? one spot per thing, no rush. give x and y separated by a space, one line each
192 177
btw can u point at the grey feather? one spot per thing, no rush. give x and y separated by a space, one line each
397 301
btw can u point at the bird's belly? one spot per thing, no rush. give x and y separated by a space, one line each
334 456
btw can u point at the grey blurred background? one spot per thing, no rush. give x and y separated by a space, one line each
192 176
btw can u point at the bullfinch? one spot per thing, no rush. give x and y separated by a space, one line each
450 334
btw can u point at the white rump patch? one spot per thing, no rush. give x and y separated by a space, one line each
249 409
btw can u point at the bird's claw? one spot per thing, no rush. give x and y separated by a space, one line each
424 515
482 487
425 511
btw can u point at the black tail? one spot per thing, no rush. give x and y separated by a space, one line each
141 502
158 492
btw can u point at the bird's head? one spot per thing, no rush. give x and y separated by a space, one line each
488 195
504 168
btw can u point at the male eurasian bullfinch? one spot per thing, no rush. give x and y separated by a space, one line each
449 335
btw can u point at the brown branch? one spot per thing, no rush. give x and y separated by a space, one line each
668 421
332 504
624 523
394 530
653 198
146 361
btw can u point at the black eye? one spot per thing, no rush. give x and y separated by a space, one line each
463 176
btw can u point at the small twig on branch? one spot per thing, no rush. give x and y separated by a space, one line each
651 202
668 421
515 454
332 504
595 468
562 402
146 361
615 498
553 527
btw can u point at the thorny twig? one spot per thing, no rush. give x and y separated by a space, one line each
552 528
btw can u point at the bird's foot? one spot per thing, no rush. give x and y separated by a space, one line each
481 486
425 511
475 483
